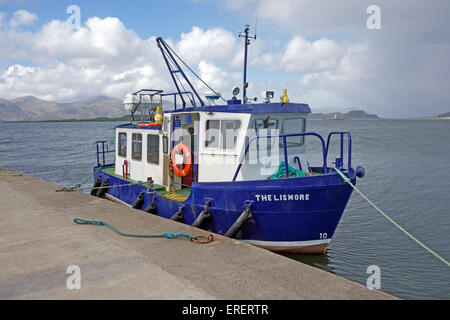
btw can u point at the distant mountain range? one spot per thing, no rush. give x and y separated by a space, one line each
30 108
351 115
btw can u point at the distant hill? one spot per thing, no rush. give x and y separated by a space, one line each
98 119
331 110
351 115
30 108
10 112
444 115
102 108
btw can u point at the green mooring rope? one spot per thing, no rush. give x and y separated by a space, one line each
346 179
75 187
167 235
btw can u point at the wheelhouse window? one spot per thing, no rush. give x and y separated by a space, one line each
295 125
222 134
122 145
229 130
266 124
212 134
136 146
264 127
153 148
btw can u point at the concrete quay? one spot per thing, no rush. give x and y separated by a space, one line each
39 241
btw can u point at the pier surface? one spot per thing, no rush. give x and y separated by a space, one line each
39 241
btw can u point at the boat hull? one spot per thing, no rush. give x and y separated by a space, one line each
301 247
288 215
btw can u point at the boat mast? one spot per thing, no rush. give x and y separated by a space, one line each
247 42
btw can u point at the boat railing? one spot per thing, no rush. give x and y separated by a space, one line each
285 151
340 161
102 151
152 93
189 94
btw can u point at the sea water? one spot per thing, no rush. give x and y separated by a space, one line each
407 176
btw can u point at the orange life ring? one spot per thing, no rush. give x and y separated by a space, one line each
153 124
185 169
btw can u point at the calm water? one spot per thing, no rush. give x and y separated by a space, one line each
407 176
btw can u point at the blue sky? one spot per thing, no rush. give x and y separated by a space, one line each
166 18
321 51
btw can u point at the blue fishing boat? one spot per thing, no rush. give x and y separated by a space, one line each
239 169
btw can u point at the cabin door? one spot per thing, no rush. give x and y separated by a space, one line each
185 127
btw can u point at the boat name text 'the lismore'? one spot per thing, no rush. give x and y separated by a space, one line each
282 197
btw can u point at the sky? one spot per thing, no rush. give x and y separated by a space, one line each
321 51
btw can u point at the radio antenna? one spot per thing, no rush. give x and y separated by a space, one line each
256 17
247 43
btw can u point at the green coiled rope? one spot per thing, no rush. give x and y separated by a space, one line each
346 179
281 172
167 235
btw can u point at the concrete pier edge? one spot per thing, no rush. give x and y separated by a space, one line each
39 242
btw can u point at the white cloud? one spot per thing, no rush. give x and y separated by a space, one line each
23 18
102 57
308 57
18 71
62 82
268 62
305 16
105 41
303 57
197 45
325 50
401 69
217 78
3 16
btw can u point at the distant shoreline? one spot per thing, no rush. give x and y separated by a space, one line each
427 118
127 118
102 119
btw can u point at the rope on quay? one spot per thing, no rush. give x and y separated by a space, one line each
75 187
166 235
72 189
346 179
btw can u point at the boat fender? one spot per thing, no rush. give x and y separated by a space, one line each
360 172
203 216
152 208
139 201
97 183
104 187
245 216
179 215
351 173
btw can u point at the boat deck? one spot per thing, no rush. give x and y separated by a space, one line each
178 195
